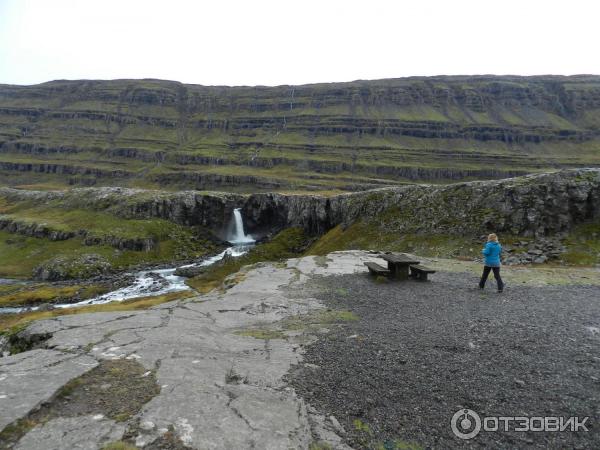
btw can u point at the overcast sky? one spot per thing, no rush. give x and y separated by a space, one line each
249 42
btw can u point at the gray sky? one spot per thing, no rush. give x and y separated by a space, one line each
249 42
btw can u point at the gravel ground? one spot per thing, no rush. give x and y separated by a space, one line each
422 351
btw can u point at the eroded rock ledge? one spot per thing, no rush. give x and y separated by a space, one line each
532 205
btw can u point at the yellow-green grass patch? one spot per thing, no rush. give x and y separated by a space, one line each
10 323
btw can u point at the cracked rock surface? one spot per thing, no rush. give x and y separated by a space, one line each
219 389
80 433
30 378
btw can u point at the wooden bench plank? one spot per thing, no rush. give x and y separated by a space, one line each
419 272
421 268
376 269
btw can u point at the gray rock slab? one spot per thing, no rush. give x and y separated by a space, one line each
219 389
80 433
230 416
74 332
30 378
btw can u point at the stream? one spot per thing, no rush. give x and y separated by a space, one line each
157 281
147 283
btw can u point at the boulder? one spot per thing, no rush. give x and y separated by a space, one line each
190 272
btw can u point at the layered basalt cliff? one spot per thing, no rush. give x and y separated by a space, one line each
341 136
534 205
211 211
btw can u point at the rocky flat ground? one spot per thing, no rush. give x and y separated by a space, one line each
312 352
422 351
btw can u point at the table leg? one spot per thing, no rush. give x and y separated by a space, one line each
392 269
398 271
402 272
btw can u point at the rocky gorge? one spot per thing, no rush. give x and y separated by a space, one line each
538 216
533 206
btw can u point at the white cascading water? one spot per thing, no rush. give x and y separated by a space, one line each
146 284
238 236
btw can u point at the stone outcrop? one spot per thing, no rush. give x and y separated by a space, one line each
34 229
533 205
537 252
41 230
64 268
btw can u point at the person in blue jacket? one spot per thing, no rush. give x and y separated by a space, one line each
491 253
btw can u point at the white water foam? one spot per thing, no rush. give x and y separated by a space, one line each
147 283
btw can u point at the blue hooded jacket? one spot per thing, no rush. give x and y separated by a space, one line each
491 252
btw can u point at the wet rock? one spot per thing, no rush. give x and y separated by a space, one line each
46 307
158 282
190 272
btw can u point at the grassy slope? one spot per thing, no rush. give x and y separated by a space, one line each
20 254
303 138
17 295
378 233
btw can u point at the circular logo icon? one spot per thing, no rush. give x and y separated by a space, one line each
466 424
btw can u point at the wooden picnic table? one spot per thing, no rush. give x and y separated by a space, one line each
398 264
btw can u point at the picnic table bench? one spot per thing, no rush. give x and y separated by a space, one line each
419 272
398 266
376 269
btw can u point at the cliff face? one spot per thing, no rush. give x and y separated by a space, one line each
534 205
341 136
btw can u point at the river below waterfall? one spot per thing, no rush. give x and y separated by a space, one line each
147 283
158 281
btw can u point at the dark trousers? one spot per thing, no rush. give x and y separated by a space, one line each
486 272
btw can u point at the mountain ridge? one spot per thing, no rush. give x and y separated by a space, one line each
324 136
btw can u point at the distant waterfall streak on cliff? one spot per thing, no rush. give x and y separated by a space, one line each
239 237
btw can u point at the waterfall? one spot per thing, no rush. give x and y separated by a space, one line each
238 236
158 281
